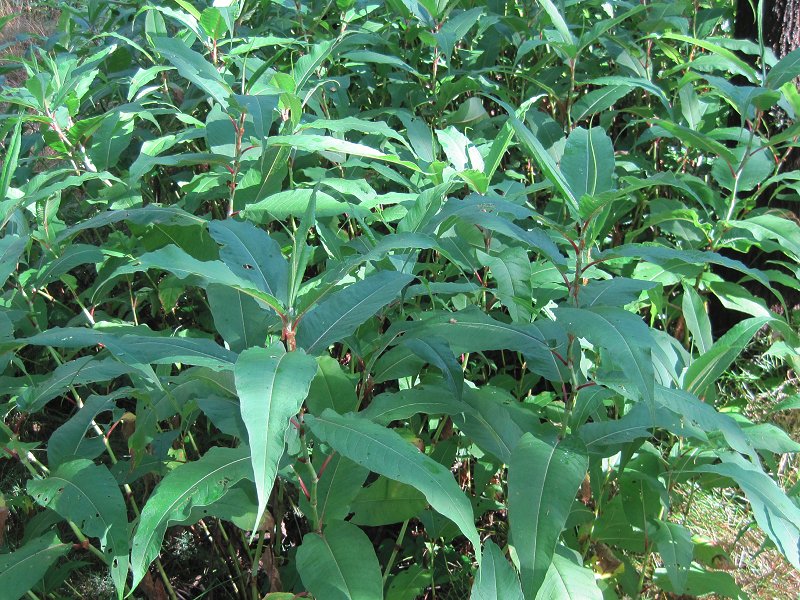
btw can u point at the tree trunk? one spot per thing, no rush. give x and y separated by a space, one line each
781 24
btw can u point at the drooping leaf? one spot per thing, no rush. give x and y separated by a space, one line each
88 495
338 315
706 369
674 543
543 478
272 385
567 580
496 579
385 452
22 569
194 484
194 67
588 162
386 501
340 564
252 255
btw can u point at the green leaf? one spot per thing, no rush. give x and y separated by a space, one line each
473 331
546 163
543 479
339 485
338 315
511 270
674 543
88 495
707 368
496 579
623 335
11 158
181 264
785 70
323 143
138 350
701 583
694 312
567 580
68 442
75 255
437 353
340 564
598 101
252 255
775 512
194 484
385 452
194 67
785 232
239 319
11 248
431 400
588 162
22 569
87 369
331 388
272 385
385 502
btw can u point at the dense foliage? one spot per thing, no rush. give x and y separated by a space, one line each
390 299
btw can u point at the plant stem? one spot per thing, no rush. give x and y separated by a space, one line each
395 550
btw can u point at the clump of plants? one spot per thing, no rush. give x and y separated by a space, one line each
389 300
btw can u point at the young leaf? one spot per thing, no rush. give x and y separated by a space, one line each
543 478
272 385
496 579
340 564
88 495
194 484
385 452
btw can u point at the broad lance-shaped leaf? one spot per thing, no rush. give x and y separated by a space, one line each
775 512
385 452
588 161
707 368
338 315
472 330
543 478
340 564
674 543
198 483
496 579
623 334
138 350
568 580
545 163
182 265
252 255
22 569
194 67
88 495
272 385
437 353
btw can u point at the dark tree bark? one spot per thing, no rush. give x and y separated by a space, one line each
781 24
